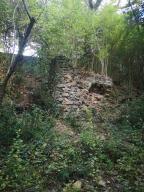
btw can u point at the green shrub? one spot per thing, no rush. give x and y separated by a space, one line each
23 165
18 171
38 159
34 124
133 113
8 125
72 120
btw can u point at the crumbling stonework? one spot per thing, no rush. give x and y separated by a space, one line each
77 89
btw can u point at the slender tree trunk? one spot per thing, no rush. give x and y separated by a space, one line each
94 5
16 60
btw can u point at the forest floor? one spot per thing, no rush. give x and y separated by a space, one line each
99 149
112 145
105 133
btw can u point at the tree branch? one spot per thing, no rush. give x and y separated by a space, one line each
91 4
26 9
18 57
97 4
94 6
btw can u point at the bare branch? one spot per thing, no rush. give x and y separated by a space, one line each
14 38
94 6
26 9
118 3
91 4
16 60
97 4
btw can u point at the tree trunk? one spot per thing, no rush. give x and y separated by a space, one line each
94 6
17 59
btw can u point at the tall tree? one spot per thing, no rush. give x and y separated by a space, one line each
23 39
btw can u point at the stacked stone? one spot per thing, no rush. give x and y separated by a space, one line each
72 91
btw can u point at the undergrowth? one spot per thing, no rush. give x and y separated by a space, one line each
37 159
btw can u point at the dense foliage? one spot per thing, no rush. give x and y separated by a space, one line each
107 40
35 157
98 151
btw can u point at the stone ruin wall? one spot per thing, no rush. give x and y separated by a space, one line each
74 89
